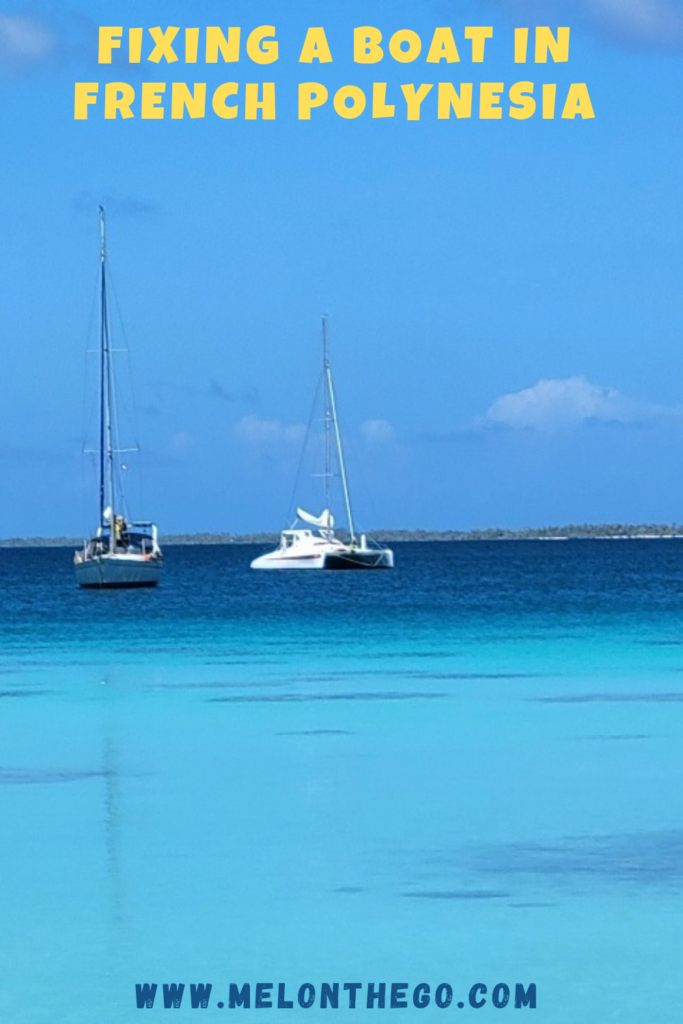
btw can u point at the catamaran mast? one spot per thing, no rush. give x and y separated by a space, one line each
331 423
327 416
106 447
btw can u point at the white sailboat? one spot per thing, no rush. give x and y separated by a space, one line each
122 553
316 546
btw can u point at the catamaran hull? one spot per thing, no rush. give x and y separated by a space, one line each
350 559
118 572
274 561
355 559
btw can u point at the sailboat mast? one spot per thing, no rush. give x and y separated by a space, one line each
106 447
327 414
331 421
103 369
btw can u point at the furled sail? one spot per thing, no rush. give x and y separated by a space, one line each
325 521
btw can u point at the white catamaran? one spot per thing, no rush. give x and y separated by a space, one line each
122 553
319 548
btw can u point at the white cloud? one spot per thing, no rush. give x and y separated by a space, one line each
569 402
657 23
181 442
24 41
377 431
645 21
259 431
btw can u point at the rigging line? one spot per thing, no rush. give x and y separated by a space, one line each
84 520
368 492
117 448
332 421
88 402
328 414
129 360
304 446
103 367
340 454
133 412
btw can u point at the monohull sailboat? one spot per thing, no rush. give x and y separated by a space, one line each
315 545
123 553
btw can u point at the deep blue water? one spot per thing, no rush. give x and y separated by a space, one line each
467 770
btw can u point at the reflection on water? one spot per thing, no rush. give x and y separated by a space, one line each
44 776
289 698
653 859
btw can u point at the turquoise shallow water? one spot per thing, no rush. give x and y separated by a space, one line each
467 770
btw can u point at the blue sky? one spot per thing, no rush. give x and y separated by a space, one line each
505 299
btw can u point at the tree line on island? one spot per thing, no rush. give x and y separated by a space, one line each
584 531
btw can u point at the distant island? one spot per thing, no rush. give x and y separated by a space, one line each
585 531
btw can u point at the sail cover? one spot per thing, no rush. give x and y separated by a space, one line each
325 521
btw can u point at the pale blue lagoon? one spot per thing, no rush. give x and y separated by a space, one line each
465 771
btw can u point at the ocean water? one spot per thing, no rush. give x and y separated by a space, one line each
469 770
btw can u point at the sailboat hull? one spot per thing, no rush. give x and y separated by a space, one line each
118 571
